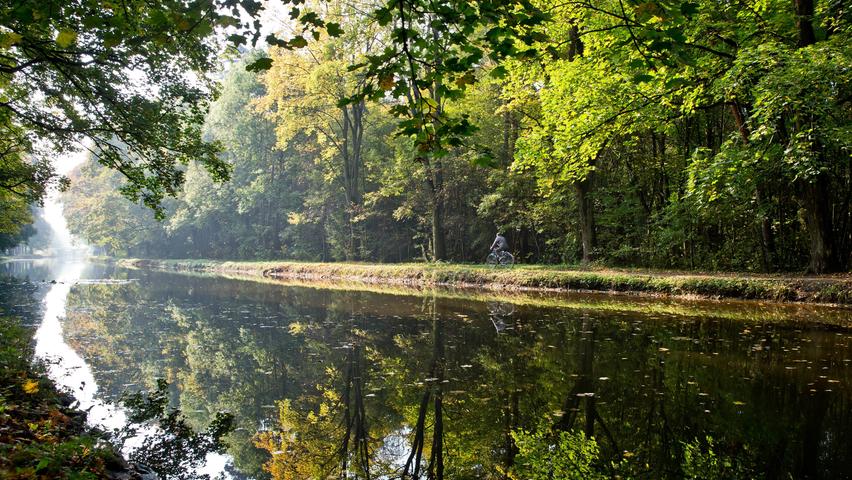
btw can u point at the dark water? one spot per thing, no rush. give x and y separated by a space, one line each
311 373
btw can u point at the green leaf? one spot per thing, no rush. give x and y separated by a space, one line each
311 18
676 34
66 38
343 102
383 16
227 21
466 79
7 39
676 82
111 40
642 78
237 39
498 72
688 8
430 102
637 63
275 41
333 29
298 42
261 64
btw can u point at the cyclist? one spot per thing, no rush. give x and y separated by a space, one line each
500 244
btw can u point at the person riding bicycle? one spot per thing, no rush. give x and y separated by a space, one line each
500 244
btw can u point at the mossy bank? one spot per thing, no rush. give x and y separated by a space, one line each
831 290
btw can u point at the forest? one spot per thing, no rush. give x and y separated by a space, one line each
669 134
633 153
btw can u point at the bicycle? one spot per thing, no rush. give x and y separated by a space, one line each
501 259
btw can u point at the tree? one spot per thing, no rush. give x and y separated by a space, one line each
307 93
671 64
433 52
436 48
125 80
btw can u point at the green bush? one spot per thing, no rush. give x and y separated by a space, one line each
559 455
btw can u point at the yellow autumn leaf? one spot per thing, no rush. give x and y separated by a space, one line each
31 386
66 38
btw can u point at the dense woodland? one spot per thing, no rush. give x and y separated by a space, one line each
699 135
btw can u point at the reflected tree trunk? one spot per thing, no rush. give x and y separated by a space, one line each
433 391
511 416
584 391
812 435
354 416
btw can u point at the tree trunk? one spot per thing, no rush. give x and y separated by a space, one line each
804 22
439 241
582 191
814 199
815 194
350 149
770 257
583 188
436 174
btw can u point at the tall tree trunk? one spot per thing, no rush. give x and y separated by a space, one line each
814 199
439 240
435 171
804 22
583 187
350 149
582 190
815 195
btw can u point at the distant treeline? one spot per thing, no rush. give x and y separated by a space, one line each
720 142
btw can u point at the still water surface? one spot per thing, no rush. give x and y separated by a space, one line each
311 373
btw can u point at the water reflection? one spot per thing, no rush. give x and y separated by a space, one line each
359 384
49 282
65 366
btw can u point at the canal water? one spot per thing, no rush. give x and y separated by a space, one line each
326 378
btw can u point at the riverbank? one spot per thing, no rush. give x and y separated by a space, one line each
826 290
41 434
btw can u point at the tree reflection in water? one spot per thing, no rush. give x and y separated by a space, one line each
337 384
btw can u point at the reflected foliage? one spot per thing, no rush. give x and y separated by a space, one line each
334 383
175 451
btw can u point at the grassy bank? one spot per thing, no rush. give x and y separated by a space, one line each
836 290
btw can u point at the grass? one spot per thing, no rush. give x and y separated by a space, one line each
650 307
832 290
